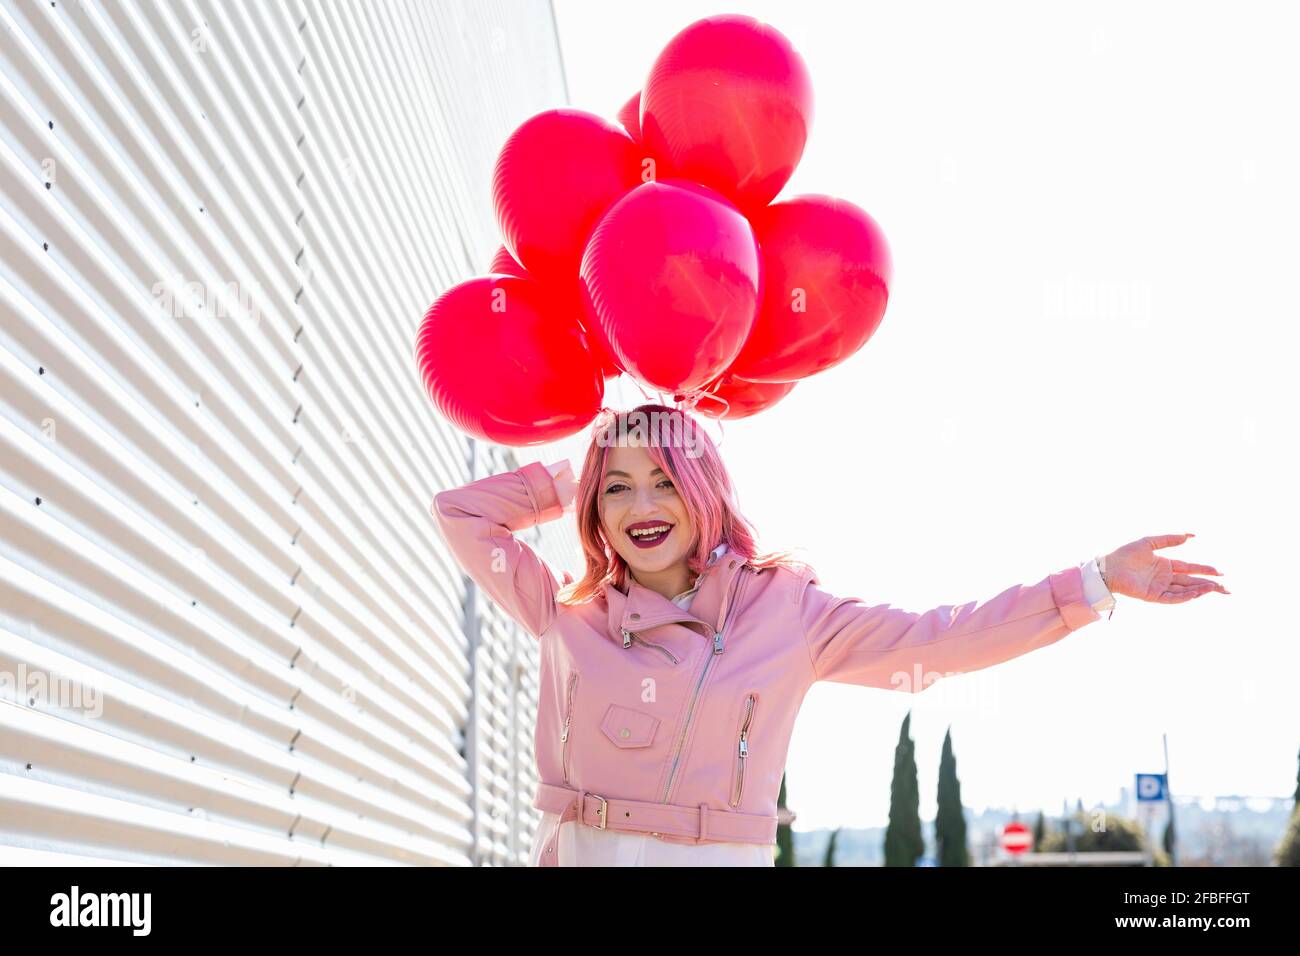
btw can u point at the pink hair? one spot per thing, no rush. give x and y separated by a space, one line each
676 443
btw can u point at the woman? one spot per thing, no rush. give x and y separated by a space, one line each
673 670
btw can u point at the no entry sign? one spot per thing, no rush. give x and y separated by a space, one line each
1016 838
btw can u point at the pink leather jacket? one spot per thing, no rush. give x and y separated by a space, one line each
676 723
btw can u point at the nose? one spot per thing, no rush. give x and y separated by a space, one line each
643 505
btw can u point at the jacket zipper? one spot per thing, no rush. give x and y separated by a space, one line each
743 749
629 637
564 735
717 649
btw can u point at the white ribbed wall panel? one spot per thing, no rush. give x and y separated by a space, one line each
221 223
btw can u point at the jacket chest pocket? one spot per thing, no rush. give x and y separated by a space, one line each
748 707
626 727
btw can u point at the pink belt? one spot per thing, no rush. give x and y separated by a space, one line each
689 824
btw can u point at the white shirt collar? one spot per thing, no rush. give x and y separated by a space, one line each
717 553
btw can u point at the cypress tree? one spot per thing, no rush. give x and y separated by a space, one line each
829 859
903 840
1040 831
784 835
1287 852
949 821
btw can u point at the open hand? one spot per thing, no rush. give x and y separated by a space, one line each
1136 570
566 485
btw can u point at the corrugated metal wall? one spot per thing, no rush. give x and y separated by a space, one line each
229 632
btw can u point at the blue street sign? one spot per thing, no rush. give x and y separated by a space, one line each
1150 786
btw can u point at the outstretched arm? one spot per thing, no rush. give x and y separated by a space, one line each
852 642
478 521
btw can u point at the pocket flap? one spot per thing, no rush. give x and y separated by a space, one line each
627 727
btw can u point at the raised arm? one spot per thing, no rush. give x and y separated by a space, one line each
478 521
851 642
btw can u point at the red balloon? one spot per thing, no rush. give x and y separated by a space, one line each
569 301
504 368
563 300
673 276
554 178
630 116
743 398
729 103
503 263
827 271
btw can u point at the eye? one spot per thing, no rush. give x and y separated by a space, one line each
614 487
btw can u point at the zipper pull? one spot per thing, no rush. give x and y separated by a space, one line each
717 643
627 638
744 744
565 736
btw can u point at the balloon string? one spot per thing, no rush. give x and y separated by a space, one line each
689 401
726 406
692 399
643 392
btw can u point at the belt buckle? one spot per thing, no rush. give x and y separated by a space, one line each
603 812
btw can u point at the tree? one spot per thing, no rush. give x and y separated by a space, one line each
1288 848
784 834
1116 833
949 821
829 859
903 840
1040 830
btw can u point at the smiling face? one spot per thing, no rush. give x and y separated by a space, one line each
635 494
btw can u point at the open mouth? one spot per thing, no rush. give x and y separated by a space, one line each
650 536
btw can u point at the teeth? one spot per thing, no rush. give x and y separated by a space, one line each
641 532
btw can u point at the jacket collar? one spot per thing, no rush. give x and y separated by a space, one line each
641 608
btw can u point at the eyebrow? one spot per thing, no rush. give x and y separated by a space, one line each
612 471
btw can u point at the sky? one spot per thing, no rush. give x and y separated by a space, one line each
1091 337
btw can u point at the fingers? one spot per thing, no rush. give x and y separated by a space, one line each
1187 579
1177 593
1193 568
1165 540
1196 588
